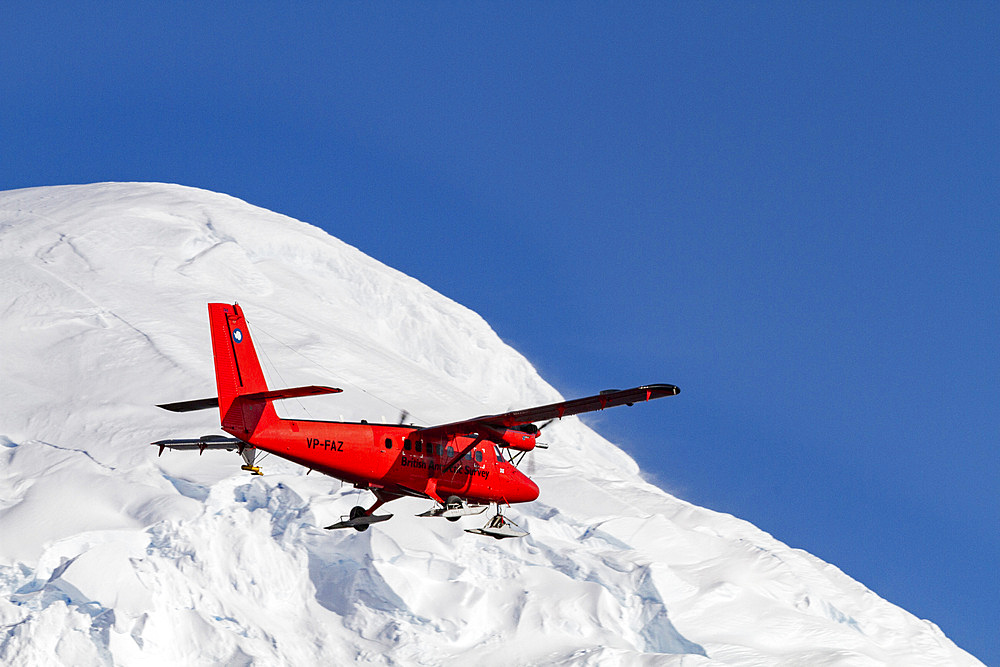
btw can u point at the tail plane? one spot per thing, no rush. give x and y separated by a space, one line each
243 400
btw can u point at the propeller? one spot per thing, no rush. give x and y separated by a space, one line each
531 429
546 424
530 468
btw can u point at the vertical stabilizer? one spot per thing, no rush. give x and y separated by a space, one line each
237 371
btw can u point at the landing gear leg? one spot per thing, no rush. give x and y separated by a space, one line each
455 502
249 455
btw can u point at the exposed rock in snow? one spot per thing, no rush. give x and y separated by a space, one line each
110 555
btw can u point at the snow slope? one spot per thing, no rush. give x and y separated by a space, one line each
110 555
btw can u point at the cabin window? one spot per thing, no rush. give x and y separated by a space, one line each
388 443
440 450
479 456
420 446
406 444
449 451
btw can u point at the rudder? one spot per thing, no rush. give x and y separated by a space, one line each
237 370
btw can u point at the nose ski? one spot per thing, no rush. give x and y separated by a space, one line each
499 527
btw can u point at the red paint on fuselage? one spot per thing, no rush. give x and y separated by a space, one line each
395 459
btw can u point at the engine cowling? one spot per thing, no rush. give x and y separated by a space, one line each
519 440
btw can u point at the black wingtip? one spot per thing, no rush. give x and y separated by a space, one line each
662 389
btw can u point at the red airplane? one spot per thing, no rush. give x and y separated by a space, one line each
464 466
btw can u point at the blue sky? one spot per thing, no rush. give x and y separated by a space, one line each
790 212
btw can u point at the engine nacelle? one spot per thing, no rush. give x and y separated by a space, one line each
520 440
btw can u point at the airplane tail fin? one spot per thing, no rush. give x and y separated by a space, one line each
237 371
244 401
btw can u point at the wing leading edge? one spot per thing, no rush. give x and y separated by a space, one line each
606 399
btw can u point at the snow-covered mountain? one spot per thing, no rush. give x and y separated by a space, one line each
111 555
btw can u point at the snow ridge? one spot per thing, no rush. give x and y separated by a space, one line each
110 555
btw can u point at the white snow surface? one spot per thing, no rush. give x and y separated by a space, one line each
112 555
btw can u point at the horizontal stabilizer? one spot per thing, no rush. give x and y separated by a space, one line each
206 441
202 443
293 392
276 395
190 406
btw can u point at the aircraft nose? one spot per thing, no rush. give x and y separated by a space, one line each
525 491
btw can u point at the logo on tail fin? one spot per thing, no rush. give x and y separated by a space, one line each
237 335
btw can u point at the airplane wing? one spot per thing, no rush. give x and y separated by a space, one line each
277 394
606 399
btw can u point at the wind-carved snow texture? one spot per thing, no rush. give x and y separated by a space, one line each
111 555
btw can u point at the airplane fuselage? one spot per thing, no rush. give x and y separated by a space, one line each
397 460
